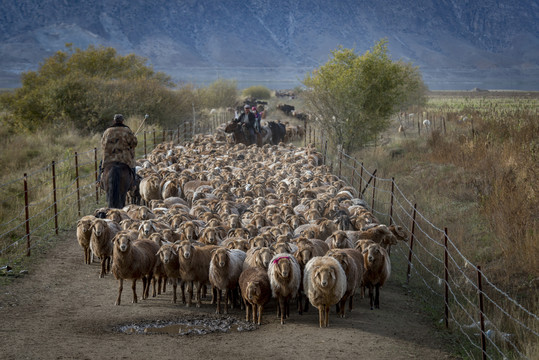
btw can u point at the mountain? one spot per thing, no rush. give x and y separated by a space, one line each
458 44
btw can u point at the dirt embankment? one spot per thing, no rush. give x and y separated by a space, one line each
62 310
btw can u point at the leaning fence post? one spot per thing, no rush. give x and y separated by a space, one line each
446 278
54 197
77 180
360 179
411 245
27 215
96 176
368 182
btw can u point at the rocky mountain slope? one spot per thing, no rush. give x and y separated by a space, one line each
458 44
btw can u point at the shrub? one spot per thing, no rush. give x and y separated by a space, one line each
257 91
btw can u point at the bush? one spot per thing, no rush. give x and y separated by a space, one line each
258 92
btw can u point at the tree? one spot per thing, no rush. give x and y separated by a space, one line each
352 97
221 93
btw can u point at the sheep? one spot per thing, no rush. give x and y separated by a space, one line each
377 270
169 258
150 188
190 230
351 261
324 282
211 236
256 291
258 257
133 260
100 242
84 232
140 212
426 124
225 269
380 234
285 277
194 266
339 240
148 227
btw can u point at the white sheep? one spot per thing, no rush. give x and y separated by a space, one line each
285 277
324 282
225 269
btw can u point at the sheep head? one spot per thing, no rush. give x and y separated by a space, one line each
283 267
99 226
253 290
185 249
220 257
122 242
325 276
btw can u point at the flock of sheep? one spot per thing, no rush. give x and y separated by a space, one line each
248 223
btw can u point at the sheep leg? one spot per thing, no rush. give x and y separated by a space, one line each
155 283
371 300
108 261
377 296
321 315
282 309
218 310
189 293
103 271
253 305
226 300
260 309
182 286
247 312
300 303
199 295
120 288
342 306
134 287
174 289
213 295
287 308
87 255
164 284
326 320
351 302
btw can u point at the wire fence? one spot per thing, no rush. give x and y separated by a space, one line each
38 204
458 292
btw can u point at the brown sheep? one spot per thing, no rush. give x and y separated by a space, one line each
377 270
351 261
100 242
84 233
225 269
258 257
194 266
339 240
169 258
211 236
133 260
256 291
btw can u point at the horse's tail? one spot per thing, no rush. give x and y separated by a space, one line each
113 192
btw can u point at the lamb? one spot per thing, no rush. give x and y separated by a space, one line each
377 270
225 269
133 260
256 291
194 266
258 257
169 258
351 261
285 277
84 232
324 282
100 242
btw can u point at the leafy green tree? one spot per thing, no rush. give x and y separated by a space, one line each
86 87
352 97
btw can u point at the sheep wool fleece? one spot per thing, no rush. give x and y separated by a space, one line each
118 144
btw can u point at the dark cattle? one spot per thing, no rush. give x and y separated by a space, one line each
287 109
278 132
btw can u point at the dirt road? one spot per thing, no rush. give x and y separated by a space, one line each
62 310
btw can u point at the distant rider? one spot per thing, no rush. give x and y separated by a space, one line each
247 119
118 144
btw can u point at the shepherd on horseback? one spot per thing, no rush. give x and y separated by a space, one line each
247 120
118 145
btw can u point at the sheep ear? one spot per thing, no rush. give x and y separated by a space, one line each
333 274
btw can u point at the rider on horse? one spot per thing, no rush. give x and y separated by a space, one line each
247 119
118 144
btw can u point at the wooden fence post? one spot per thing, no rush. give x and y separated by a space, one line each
481 313
305 132
325 151
145 152
178 134
96 176
340 162
373 193
27 215
353 174
54 197
154 142
360 179
411 245
392 197
77 181
446 278
164 136
314 137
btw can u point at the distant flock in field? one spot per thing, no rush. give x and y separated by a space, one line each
246 223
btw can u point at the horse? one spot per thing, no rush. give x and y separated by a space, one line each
116 180
240 133
278 132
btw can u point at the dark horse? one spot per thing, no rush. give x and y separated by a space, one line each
240 133
116 180
278 131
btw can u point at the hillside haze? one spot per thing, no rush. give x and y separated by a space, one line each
457 44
